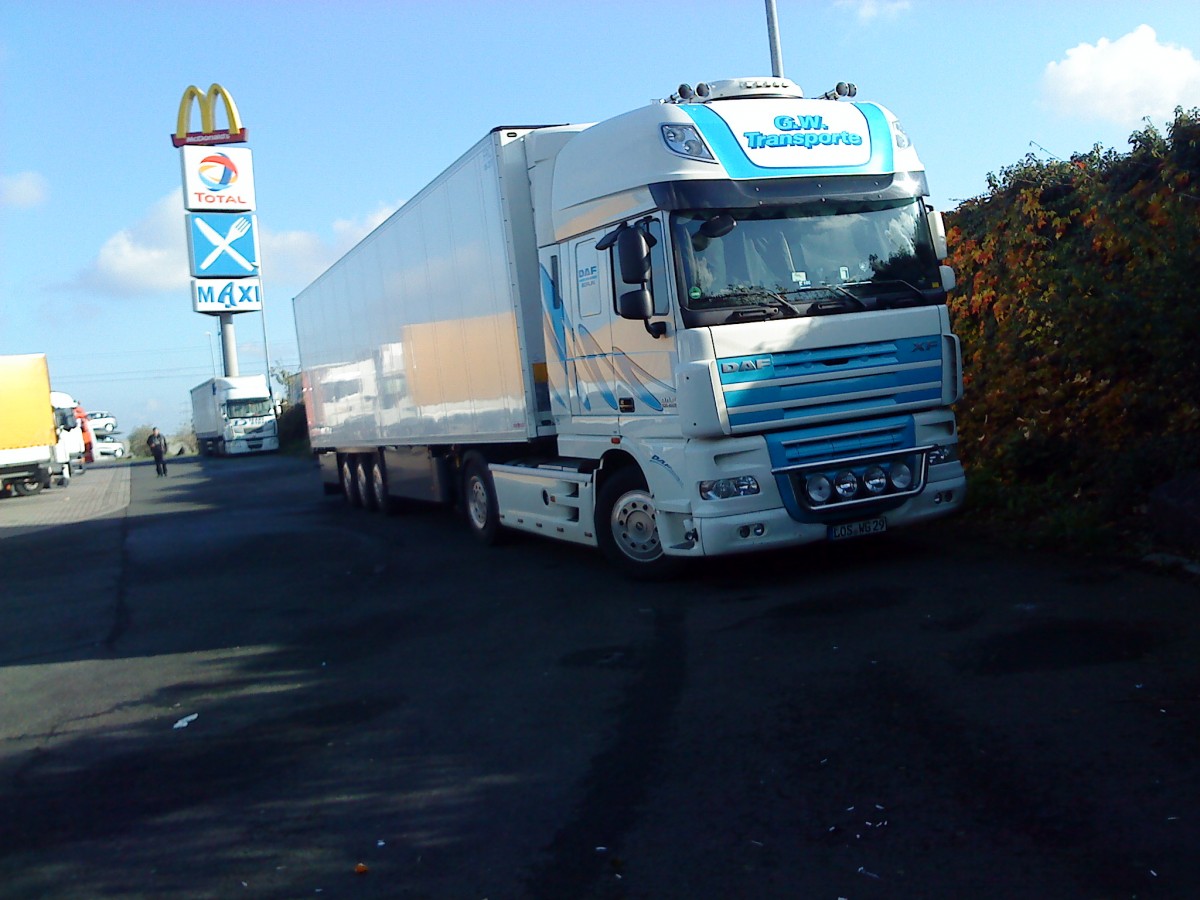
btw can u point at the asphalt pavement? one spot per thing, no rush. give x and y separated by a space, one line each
225 684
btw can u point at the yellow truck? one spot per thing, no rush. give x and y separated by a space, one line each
29 427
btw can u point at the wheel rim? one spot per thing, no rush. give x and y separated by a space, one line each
377 486
477 502
634 527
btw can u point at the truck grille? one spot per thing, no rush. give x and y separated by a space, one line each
809 386
886 445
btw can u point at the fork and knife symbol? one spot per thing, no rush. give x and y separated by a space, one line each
224 243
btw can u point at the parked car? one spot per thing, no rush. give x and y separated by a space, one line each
107 445
102 421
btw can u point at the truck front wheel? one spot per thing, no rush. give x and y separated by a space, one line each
479 500
27 487
627 530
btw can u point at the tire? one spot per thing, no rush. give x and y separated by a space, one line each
479 501
118 453
110 427
350 485
28 487
377 487
364 476
626 527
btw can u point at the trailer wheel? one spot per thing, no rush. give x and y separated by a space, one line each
364 476
350 485
626 527
380 499
479 500
27 487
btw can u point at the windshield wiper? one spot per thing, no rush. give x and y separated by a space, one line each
832 299
769 302
891 294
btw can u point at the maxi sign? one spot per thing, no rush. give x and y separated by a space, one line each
218 192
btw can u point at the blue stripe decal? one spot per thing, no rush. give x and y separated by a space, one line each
766 367
728 147
878 404
792 393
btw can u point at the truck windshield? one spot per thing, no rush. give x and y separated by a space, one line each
247 409
842 256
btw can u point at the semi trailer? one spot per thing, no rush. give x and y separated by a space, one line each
712 325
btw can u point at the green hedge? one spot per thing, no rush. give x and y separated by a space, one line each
1078 311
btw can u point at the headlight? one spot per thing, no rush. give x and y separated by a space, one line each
901 477
846 484
686 141
938 455
819 489
724 488
875 480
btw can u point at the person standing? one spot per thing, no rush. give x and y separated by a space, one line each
158 448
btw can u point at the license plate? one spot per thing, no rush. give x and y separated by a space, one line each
857 529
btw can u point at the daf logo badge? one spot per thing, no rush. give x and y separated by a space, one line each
747 365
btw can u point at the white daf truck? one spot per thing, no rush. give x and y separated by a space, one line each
234 415
712 325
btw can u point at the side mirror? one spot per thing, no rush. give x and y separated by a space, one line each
937 231
633 251
636 304
948 280
639 304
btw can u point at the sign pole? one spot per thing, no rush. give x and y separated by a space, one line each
229 346
218 197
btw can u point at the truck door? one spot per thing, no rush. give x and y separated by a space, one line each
590 343
642 364
617 368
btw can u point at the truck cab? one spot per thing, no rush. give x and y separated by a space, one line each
758 326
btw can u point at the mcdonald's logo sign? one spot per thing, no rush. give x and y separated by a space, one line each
208 133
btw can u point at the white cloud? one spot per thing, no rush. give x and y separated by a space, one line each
350 231
1123 81
150 257
23 190
869 10
293 259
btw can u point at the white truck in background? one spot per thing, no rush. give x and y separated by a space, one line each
234 415
712 325
72 443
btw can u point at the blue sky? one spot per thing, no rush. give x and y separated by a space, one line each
353 106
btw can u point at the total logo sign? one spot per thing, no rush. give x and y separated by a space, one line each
217 178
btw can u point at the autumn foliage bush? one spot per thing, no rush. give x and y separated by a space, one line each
1079 312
